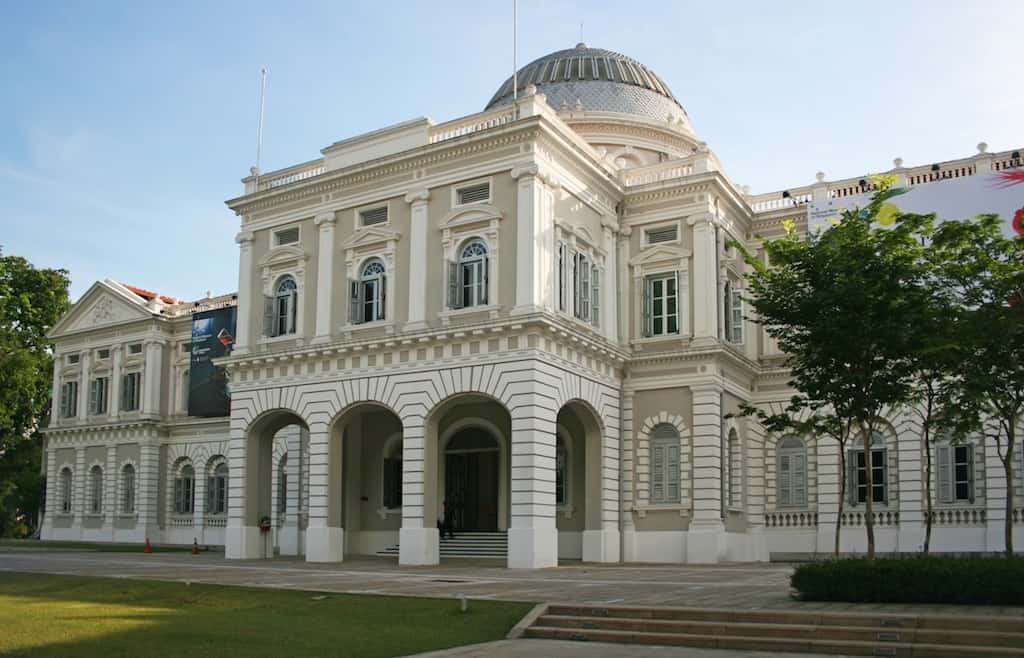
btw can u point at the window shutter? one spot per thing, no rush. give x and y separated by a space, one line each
355 306
646 312
485 275
851 477
672 476
944 473
453 286
269 325
177 494
784 483
970 471
595 296
293 310
736 308
657 474
64 400
679 306
799 479
382 283
94 396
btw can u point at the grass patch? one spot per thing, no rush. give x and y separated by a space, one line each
100 547
919 579
49 615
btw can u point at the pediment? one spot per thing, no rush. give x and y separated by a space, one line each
660 254
370 235
287 254
103 304
465 215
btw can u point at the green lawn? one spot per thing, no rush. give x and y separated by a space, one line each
36 545
47 615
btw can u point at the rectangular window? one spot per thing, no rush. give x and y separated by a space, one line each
135 348
858 486
103 354
186 347
955 473
733 304
595 296
131 384
286 236
73 359
473 193
665 471
563 265
98 392
69 399
373 216
581 286
661 305
662 234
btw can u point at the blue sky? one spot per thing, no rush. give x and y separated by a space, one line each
125 126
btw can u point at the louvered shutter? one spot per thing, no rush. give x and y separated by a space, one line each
211 494
944 473
269 326
485 276
672 473
382 282
799 479
577 296
595 296
657 474
736 308
293 310
851 476
785 479
454 298
645 316
94 396
970 471
64 400
355 303
177 495
679 306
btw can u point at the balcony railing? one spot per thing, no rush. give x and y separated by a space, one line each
469 125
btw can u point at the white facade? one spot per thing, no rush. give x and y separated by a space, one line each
525 321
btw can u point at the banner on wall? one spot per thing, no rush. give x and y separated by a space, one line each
213 335
998 192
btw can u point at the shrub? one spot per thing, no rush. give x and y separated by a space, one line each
921 579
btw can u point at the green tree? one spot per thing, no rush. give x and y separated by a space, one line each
985 270
839 302
31 301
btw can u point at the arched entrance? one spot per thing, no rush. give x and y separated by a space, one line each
472 459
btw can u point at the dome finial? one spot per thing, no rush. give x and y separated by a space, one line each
581 46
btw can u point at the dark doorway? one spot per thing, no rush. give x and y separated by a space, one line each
471 481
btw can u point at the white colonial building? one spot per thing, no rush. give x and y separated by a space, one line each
526 321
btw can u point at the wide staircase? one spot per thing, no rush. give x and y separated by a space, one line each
862 634
468 544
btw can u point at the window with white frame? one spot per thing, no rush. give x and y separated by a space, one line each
286 236
955 473
391 494
661 304
98 391
131 388
128 489
664 464
96 490
73 359
69 399
791 473
103 354
367 295
136 348
473 193
467 278
217 489
562 468
65 490
184 489
733 304
856 465
662 234
373 216
280 310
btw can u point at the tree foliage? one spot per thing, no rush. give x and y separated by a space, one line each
31 301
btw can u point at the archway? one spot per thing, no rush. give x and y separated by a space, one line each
578 486
471 466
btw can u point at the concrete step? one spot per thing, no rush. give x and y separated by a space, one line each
773 644
484 545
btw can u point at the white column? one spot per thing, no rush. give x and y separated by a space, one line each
533 537
624 315
242 537
147 489
530 231
80 499
325 541
324 277
418 541
705 282
58 359
419 221
50 507
114 392
602 545
151 387
754 482
289 537
85 360
706 538
243 337
910 537
828 480
110 501
628 466
995 498
610 283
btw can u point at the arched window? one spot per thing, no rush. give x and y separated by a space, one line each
392 491
561 471
732 471
184 490
954 472
664 464
286 306
467 281
791 472
856 472
282 486
368 293
217 489
96 490
128 489
65 490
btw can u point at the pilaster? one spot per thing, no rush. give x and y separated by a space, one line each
147 502
828 481
706 538
910 537
705 282
324 276
532 537
289 534
419 222
111 504
243 330
153 377
84 360
534 221
325 541
418 537
114 392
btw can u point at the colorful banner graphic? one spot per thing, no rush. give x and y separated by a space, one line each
213 335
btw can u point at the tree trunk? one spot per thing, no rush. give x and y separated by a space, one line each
1008 467
927 485
842 494
869 496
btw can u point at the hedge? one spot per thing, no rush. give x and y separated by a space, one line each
920 579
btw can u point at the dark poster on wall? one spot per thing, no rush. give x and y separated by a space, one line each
213 335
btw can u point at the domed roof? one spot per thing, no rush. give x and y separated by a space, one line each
598 80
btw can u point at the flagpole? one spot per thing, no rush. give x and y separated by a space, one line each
259 128
515 65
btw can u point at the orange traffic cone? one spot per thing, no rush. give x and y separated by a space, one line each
195 546
147 548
